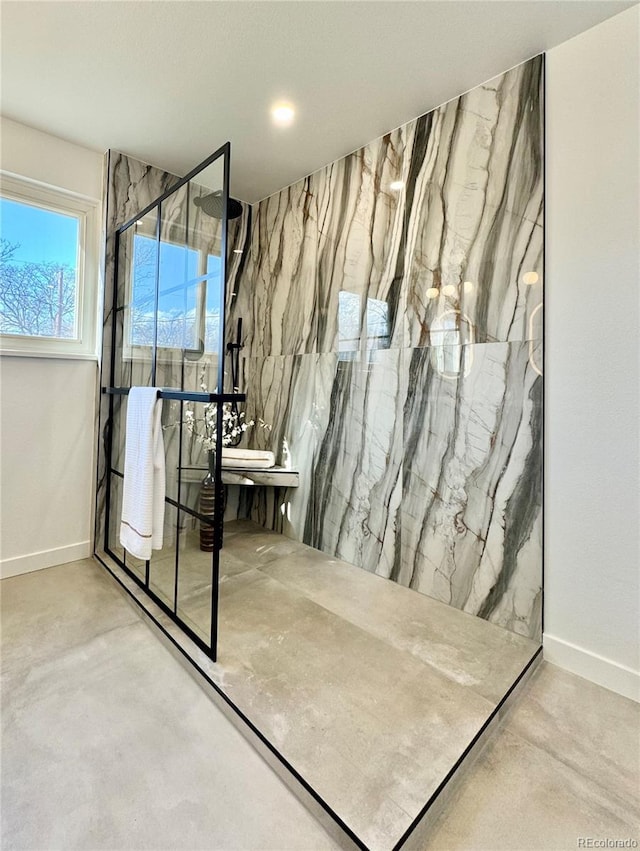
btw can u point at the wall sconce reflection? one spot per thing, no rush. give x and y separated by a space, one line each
535 340
448 290
452 336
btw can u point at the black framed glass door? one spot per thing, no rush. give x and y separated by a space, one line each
168 332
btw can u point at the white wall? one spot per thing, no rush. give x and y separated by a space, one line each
47 405
592 555
48 159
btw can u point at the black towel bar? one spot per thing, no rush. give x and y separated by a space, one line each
183 395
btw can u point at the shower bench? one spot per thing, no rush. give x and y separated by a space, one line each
275 477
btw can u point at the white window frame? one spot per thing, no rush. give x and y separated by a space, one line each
86 210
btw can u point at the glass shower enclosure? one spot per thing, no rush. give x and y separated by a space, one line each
168 332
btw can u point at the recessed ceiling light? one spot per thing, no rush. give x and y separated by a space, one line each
530 278
397 185
468 286
237 251
449 290
283 114
433 292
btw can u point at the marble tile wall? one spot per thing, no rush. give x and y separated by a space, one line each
392 310
391 307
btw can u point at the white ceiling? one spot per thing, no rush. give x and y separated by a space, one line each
168 82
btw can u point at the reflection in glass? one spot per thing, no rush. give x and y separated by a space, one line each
194 580
136 565
179 301
118 432
187 319
115 513
179 298
205 237
141 276
377 324
535 340
350 321
452 337
213 302
162 565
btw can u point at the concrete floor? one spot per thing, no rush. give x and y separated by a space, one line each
107 742
371 691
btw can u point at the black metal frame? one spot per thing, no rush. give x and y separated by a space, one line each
219 399
183 395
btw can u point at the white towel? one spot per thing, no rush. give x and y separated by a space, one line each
247 458
144 474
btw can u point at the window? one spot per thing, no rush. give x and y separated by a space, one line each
351 334
177 304
47 270
188 317
451 339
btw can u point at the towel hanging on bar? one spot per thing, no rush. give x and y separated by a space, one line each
143 495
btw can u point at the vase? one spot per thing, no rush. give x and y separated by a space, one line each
207 505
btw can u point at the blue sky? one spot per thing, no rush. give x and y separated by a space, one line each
174 276
43 236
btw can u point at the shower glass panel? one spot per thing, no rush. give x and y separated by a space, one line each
162 565
116 511
168 332
195 579
137 264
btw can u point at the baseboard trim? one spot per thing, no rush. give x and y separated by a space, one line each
46 558
604 672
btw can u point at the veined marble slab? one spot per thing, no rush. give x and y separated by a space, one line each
361 243
339 423
396 332
474 222
472 474
423 466
441 216
356 489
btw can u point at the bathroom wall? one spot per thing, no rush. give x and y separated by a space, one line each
47 403
392 310
592 598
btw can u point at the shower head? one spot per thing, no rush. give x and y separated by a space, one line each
212 205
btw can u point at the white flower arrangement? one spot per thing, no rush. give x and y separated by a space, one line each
203 428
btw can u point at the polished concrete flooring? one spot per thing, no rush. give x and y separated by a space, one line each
371 691
108 743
